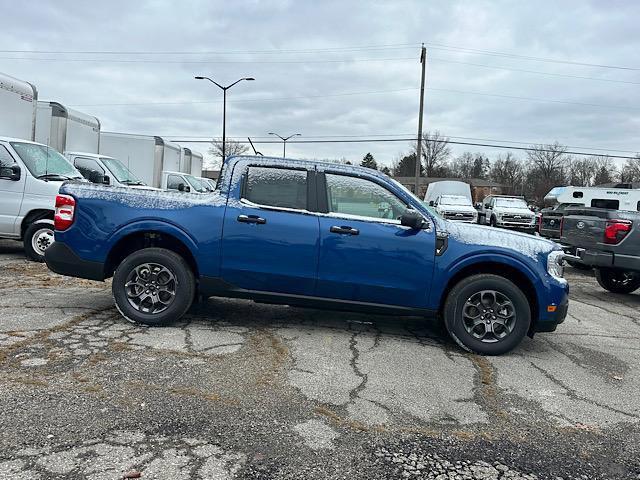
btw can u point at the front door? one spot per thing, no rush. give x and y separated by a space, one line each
11 193
365 254
270 239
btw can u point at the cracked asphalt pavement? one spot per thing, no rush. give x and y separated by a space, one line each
243 390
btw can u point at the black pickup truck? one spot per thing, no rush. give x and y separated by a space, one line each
608 241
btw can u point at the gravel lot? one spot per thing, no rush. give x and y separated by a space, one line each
242 390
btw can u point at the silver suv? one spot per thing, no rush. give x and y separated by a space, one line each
508 212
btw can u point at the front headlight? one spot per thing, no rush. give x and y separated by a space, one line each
554 264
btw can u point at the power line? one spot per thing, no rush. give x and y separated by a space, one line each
208 62
413 139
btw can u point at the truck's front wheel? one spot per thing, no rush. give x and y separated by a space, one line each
618 281
487 314
153 286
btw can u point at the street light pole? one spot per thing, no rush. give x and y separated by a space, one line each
284 142
423 61
224 107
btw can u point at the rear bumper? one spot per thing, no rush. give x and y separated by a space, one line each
596 258
64 261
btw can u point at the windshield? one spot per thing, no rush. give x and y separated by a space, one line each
120 172
45 162
454 200
511 203
195 183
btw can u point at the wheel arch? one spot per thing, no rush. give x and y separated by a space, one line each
133 241
500 268
34 216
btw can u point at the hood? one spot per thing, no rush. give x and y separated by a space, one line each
142 187
514 211
457 208
481 235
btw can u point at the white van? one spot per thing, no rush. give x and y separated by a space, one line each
104 169
30 177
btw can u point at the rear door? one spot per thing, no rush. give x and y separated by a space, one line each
270 237
365 254
11 194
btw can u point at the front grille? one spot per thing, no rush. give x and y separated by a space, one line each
516 218
459 216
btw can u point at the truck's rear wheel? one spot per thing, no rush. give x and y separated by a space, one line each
153 286
618 281
37 238
487 314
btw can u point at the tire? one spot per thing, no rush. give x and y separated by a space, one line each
37 238
578 265
475 289
140 270
618 281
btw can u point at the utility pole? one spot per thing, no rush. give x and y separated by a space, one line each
423 61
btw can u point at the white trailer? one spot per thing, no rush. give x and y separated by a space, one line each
196 163
144 155
65 129
18 101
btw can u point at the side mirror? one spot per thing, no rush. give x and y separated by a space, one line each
431 203
181 187
412 219
477 205
11 173
106 180
486 205
96 177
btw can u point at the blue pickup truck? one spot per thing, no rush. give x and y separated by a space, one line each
312 234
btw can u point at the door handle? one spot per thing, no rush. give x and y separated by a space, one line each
344 230
251 219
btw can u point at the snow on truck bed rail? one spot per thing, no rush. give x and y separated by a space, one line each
143 199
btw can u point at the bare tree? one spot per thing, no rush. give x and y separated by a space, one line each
631 170
435 152
462 166
509 171
581 171
547 169
605 170
231 147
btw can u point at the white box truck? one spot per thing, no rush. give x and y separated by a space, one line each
196 163
18 100
144 155
65 129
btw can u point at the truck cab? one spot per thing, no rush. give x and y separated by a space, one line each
182 182
104 169
30 176
507 211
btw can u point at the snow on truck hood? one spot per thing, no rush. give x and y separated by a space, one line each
481 235
141 198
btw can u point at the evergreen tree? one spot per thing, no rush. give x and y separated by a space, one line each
369 162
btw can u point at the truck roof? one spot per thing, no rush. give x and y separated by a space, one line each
21 140
91 155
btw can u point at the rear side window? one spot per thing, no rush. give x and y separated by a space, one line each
276 187
605 203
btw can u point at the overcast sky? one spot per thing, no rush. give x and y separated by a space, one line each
314 76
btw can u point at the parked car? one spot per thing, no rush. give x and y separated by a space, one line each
311 234
507 211
104 169
455 207
608 241
30 177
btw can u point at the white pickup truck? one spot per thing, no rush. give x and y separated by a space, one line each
30 177
104 169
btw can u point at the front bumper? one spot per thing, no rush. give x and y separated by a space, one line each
64 261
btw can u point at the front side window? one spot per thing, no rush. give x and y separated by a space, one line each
44 162
120 172
5 159
276 187
363 198
173 182
88 167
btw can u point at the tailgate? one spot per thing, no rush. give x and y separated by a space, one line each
583 231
